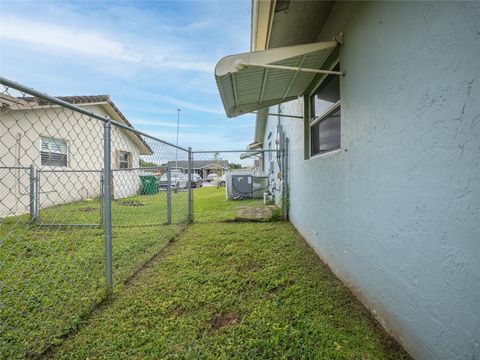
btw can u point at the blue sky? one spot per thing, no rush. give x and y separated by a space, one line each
151 57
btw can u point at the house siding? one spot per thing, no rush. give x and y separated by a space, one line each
20 144
396 212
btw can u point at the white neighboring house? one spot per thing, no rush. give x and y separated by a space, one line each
66 149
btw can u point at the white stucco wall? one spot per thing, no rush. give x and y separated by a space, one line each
396 212
20 146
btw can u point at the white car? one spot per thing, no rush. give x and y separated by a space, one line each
197 181
212 177
177 180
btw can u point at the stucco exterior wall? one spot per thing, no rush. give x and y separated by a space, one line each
20 147
396 212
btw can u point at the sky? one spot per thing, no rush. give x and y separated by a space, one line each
151 57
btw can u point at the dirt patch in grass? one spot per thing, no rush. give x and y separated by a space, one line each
179 311
224 320
131 203
89 209
253 266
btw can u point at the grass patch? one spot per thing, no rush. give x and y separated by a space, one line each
232 290
210 205
53 276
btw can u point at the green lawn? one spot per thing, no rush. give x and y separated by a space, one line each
51 277
231 290
210 205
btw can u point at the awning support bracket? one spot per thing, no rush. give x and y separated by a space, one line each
289 68
294 76
281 115
235 96
264 82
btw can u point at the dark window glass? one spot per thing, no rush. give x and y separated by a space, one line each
326 95
325 134
124 160
326 115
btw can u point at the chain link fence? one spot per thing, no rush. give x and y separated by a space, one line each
85 201
252 184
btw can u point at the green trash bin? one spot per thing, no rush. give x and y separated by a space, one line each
149 184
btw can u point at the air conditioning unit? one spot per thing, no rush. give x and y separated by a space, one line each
242 186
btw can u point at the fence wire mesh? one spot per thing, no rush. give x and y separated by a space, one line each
52 212
250 184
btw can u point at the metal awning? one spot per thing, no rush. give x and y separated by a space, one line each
256 80
247 155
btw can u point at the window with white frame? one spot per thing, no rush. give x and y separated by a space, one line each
53 152
325 115
124 160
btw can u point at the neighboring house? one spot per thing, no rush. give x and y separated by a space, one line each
384 161
201 167
65 148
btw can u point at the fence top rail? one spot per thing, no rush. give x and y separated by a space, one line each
142 168
14 168
69 171
54 100
233 151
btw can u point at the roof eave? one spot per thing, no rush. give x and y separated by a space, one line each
262 20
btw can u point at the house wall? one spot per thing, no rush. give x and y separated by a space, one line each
20 146
396 212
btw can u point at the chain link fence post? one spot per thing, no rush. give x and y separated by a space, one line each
190 207
107 201
169 195
287 189
33 194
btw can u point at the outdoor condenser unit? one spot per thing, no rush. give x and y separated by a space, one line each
242 186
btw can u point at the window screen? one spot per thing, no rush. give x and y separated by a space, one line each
54 152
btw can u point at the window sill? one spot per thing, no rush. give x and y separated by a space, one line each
327 154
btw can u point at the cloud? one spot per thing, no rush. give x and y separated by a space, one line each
161 123
188 105
72 39
97 45
151 57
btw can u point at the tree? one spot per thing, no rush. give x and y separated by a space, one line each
234 166
144 163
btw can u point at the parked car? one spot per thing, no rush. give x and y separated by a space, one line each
212 177
197 181
177 180
221 181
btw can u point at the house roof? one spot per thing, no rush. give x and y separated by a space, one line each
28 102
83 99
201 164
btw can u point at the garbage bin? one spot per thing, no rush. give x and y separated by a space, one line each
149 184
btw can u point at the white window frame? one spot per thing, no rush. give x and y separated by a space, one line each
67 153
313 121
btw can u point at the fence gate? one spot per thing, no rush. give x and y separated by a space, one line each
247 185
